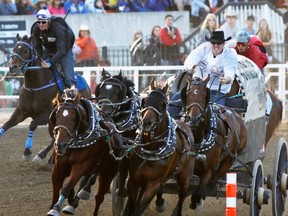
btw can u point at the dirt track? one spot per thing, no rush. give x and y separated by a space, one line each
26 189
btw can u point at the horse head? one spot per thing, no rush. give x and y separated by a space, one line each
111 92
23 54
154 108
196 100
66 119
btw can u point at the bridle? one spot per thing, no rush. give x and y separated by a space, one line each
106 101
25 62
195 120
158 112
68 106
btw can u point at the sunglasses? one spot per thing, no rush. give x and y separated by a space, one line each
42 22
218 43
241 44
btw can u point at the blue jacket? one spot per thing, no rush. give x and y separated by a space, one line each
73 9
158 5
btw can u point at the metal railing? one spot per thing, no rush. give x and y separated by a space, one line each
275 77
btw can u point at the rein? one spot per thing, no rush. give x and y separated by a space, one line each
24 67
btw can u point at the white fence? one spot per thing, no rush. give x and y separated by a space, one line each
275 76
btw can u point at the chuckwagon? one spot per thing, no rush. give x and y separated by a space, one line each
261 112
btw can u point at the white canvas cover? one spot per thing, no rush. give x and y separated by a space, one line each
252 84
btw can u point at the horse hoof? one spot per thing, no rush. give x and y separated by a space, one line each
69 210
84 195
37 159
53 212
27 155
200 205
161 208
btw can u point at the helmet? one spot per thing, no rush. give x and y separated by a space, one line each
43 14
243 37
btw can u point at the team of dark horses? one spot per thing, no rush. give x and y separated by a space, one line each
116 132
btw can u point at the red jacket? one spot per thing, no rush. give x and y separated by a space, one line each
167 40
254 52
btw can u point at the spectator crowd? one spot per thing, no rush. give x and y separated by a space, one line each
163 45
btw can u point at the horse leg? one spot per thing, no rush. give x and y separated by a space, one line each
43 153
17 117
132 196
73 201
149 192
39 120
85 187
103 187
57 182
160 202
123 173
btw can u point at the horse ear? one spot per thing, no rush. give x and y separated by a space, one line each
165 87
189 77
18 38
206 80
104 75
143 102
152 84
120 74
25 38
58 99
30 39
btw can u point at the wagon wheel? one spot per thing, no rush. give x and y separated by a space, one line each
256 191
280 179
118 202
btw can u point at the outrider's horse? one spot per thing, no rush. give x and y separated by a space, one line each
163 149
84 145
219 132
37 93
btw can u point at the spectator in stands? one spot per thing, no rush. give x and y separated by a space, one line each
250 25
231 26
138 5
158 5
252 48
285 21
171 40
209 25
95 6
55 7
137 49
266 35
39 5
181 4
24 7
7 7
152 50
199 10
89 54
99 7
214 5
75 6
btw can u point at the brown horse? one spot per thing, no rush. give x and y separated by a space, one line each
163 149
37 93
219 132
275 115
84 145
120 104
